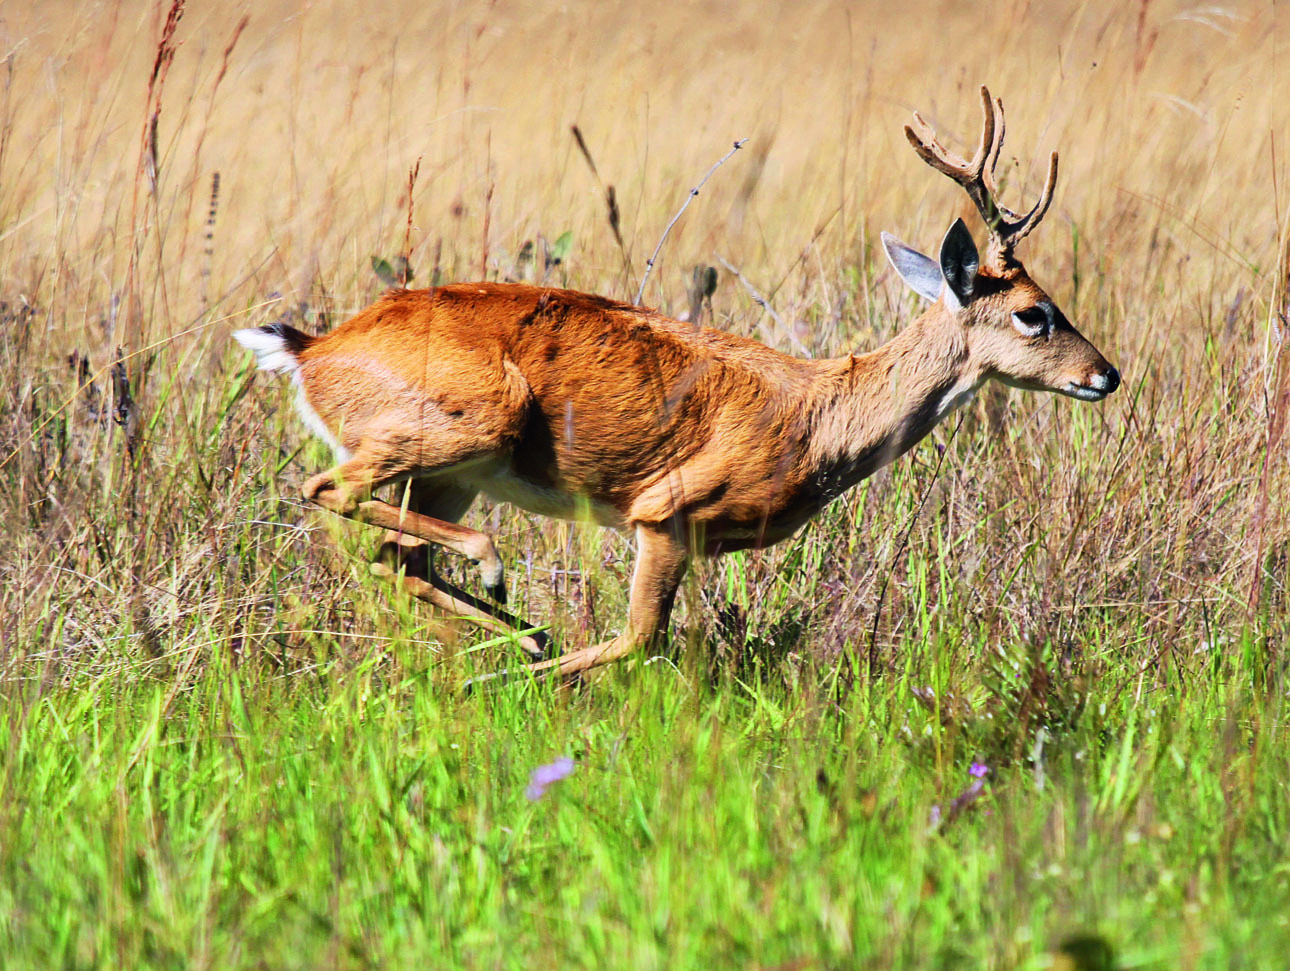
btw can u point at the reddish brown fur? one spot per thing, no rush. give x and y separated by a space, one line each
576 395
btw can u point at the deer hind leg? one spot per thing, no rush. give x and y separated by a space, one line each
436 498
346 490
661 562
415 559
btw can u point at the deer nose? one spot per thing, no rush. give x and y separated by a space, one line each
1107 381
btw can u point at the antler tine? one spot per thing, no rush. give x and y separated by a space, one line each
1020 228
939 157
931 151
991 132
1014 227
995 150
970 175
976 177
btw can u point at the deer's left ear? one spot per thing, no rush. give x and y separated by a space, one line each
920 272
959 263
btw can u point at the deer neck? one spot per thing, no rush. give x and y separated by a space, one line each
881 404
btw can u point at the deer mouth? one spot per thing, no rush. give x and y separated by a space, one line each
1096 388
1083 391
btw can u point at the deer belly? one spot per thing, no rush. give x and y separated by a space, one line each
501 485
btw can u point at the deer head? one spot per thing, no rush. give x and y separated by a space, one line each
1013 330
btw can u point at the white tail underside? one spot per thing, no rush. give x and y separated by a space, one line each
271 354
270 350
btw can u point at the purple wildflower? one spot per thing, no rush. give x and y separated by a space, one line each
979 770
546 775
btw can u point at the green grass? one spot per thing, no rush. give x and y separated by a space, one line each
225 744
354 815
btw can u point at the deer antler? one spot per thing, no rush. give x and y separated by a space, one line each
1007 228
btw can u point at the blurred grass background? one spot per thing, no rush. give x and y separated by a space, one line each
226 745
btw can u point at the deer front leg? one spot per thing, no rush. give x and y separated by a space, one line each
661 562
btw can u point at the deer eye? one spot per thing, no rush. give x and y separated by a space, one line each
1031 322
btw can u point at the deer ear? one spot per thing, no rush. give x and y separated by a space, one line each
920 272
959 263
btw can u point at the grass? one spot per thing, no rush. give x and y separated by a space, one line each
223 743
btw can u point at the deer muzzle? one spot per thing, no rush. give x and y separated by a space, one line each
1096 387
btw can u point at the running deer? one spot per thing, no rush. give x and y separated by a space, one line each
696 440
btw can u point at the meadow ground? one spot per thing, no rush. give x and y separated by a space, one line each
1018 701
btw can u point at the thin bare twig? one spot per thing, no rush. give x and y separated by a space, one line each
649 264
762 302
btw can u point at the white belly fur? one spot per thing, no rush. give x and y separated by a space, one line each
501 486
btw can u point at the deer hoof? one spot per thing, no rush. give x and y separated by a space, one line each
494 581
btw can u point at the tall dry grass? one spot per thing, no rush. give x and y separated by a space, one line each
1166 244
